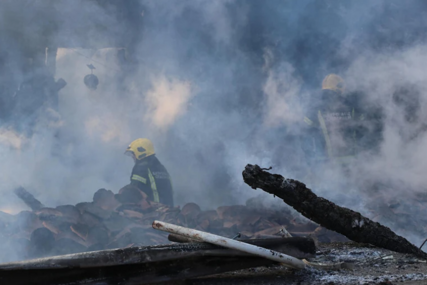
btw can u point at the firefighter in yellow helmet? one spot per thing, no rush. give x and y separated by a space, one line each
148 174
332 123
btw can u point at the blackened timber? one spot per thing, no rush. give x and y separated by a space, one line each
28 199
329 215
297 247
146 265
146 273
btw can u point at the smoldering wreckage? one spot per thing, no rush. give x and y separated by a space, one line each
126 238
123 239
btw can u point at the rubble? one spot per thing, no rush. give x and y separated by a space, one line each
110 241
121 220
371 266
285 259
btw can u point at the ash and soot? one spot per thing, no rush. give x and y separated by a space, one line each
331 95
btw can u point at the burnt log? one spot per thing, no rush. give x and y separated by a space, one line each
28 199
327 214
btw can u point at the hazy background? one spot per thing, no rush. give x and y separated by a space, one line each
215 85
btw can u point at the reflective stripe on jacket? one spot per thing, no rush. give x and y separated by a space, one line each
337 132
151 177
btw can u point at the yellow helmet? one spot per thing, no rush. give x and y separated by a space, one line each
333 82
140 148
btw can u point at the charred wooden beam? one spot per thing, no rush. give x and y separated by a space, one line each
147 273
297 247
28 199
146 265
329 215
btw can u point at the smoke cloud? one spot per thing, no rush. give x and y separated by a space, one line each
281 91
166 102
215 85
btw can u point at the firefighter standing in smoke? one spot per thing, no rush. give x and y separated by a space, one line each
148 174
332 125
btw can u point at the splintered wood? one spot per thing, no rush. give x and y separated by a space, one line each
119 221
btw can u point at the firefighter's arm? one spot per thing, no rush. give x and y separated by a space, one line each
140 179
137 179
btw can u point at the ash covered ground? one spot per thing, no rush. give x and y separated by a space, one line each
369 265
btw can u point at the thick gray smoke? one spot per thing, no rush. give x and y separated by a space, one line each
215 85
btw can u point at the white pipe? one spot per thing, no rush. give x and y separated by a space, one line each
230 243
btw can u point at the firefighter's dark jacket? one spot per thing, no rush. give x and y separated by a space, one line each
334 127
151 177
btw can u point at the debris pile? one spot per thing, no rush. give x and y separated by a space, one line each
124 220
115 232
370 265
147 265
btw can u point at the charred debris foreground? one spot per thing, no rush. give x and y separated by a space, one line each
112 241
342 220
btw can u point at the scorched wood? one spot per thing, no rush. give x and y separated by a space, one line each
133 274
297 247
329 215
145 265
28 199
